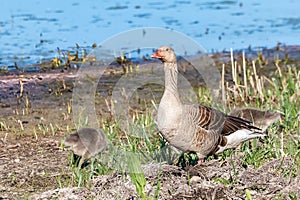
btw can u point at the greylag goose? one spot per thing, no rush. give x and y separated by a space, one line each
196 128
260 118
86 142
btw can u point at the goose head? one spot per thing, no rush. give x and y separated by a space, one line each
166 54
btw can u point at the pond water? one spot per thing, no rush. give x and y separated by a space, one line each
31 30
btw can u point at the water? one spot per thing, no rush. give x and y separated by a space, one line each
31 30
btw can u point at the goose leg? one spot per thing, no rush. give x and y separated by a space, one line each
200 161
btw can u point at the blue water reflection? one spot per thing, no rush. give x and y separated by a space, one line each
31 30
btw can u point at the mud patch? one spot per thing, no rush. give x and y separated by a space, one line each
31 165
200 182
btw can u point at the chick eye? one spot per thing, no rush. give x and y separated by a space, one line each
167 49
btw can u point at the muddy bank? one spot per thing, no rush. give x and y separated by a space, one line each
200 182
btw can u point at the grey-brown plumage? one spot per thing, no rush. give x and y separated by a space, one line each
86 142
196 128
260 118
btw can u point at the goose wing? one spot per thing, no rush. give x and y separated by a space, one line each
213 126
211 119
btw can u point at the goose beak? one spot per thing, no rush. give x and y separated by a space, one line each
157 54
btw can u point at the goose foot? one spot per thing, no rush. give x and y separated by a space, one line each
200 161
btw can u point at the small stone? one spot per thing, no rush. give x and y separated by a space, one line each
195 179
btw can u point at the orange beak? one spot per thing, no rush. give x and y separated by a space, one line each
157 54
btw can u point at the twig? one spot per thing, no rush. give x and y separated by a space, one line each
223 85
267 79
279 70
245 75
21 124
21 91
232 66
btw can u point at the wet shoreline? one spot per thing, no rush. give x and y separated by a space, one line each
51 82
76 59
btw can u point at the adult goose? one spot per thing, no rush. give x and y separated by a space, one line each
196 128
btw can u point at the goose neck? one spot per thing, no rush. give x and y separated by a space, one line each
171 77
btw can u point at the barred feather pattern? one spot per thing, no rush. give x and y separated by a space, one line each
195 128
210 128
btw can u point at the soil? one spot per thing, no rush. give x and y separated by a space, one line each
33 122
31 156
197 182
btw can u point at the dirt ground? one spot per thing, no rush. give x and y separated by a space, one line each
32 158
194 183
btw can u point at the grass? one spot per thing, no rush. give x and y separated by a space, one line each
137 175
249 87
279 92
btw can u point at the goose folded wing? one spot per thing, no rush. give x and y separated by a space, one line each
233 124
211 119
